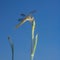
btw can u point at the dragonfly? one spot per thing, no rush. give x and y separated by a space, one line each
25 18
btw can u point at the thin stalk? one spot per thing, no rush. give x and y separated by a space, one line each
35 45
12 47
34 41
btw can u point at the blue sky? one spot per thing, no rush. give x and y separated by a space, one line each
47 20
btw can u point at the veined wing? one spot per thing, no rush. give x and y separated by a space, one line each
32 12
23 15
20 19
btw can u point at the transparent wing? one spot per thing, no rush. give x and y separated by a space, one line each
20 19
32 12
23 15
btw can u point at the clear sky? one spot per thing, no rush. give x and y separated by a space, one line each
47 20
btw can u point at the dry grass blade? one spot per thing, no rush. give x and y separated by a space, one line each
12 47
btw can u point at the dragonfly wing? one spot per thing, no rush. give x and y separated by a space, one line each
32 12
20 19
23 15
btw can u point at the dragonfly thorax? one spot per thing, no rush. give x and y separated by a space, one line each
30 18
